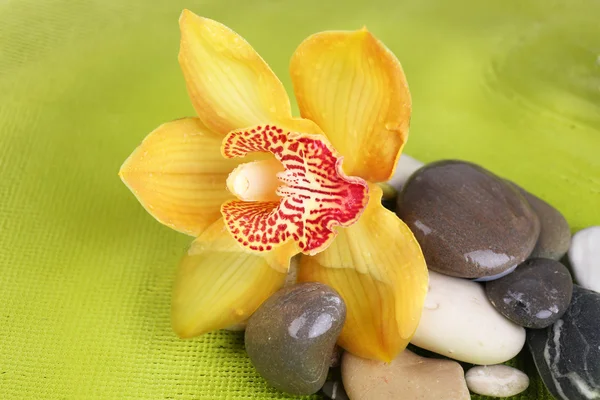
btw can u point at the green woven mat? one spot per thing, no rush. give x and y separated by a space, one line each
86 274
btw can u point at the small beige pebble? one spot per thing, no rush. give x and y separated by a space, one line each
407 377
496 380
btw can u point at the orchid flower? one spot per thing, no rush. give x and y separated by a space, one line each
257 186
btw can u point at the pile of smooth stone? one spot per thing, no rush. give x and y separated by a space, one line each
496 284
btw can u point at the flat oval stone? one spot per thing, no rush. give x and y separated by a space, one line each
407 377
555 234
567 354
584 256
459 322
291 337
496 380
469 222
535 295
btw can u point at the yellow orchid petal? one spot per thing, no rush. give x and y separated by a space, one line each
377 267
315 195
230 85
354 88
178 174
220 283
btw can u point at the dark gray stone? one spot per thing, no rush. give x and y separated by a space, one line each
334 390
291 337
555 234
469 222
535 295
567 354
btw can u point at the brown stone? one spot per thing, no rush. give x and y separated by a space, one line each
407 377
469 222
555 234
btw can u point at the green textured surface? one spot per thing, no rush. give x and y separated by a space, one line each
86 274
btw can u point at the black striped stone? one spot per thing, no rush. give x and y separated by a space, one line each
567 354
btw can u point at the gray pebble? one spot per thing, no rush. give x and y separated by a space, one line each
535 295
291 337
555 234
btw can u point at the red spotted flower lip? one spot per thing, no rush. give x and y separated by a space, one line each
315 194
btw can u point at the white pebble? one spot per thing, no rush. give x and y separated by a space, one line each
459 322
496 380
584 256
404 169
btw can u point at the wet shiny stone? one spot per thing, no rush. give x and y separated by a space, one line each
469 222
567 353
291 337
535 295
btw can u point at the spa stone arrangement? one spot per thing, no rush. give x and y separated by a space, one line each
307 260
497 287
